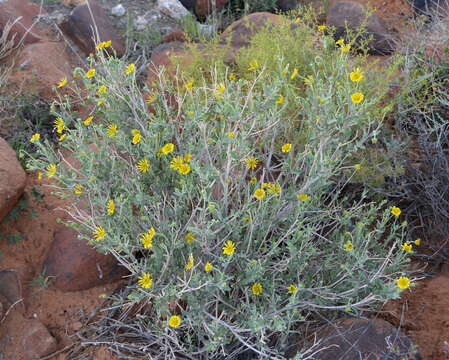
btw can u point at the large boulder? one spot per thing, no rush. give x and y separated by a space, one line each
21 14
74 265
240 32
203 8
344 15
12 179
40 67
357 338
89 23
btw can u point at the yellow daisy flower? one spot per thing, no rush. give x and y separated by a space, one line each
145 281
418 242
110 207
294 73
259 194
130 69
88 120
90 73
251 163
208 267
35 137
292 289
303 197
143 165
253 65
99 233
408 248
147 238
62 82
356 75
112 130
189 237
286 148
348 246
403 282
102 89
357 98
51 170
174 321
190 263
137 136
167 149
257 288
59 125
395 211
229 248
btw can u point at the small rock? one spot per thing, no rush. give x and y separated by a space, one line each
12 179
175 35
172 8
364 339
349 14
141 22
118 10
80 27
10 289
286 5
74 265
25 339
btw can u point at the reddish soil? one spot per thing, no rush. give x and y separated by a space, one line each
62 313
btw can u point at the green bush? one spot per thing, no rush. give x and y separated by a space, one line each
230 209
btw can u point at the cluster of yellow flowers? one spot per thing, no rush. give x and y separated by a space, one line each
181 163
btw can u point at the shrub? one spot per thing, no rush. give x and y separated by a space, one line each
229 209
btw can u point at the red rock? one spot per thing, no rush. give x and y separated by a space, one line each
21 13
86 17
175 35
204 8
74 265
240 32
40 67
12 179
24 339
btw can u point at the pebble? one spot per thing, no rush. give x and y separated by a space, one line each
118 10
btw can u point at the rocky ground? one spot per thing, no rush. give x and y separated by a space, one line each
51 284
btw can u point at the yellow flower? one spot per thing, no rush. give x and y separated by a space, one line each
259 194
104 44
294 73
418 242
90 73
101 101
187 157
297 21
143 165
403 282
62 82
231 77
231 134
395 211
147 238
220 89
229 248
309 80
145 281
112 130
189 85
253 180
39 175
303 197
150 98
59 125
358 167
189 264
35 137
110 207
176 162
340 42
130 69
174 321
253 65
356 75
88 121
348 246
345 48
257 288
62 137
189 237
167 149
286 148
102 89
208 267
272 188
251 163
407 247
99 233
280 99
322 27
78 189
184 169
292 289
137 136
51 170
357 97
